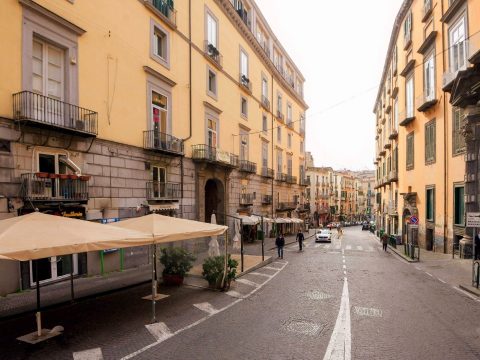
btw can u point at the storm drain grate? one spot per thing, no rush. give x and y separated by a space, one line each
362 311
302 327
318 295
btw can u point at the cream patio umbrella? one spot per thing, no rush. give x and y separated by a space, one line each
164 229
36 236
213 247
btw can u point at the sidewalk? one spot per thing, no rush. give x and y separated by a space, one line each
455 272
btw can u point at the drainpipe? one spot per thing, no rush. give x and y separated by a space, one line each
445 146
273 179
182 170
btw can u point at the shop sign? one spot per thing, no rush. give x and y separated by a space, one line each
473 219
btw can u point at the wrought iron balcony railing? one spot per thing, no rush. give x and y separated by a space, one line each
267 199
282 206
265 102
280 116
157 190
154 140
246 199
54 187
43 110
291 179
305 182
267 173
212 53
248 166
214 155
165 8
281 177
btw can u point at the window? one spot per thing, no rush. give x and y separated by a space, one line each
212 139
264 123
429 78
458 139
395 114
159 116
243 107
410 151
409 97
459 205
279 104
302 149
264 156
279 162
212 30
430 204
160 44
264 88
289 165
458 56
243 146
279 134
47 70
212 83
159 177
407 29
289 141
289 114
243 64
394 60
430 142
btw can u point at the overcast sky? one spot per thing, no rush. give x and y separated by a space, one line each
340 47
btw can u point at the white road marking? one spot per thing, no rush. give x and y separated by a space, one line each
348 247
344 266
207 307
362 311
428 274
260 274
338 247
91 354
270 268
343 260
149 346
159 330
441 280
416 267
359 248
302 327
328 246
340 345
247 282
344 272
466 293
234 294
317 245
370 248
318 295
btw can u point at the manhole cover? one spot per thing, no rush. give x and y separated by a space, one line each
362 311
318 295
303 327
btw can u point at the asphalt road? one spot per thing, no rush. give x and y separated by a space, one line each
344 300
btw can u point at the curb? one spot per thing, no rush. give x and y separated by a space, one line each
470 289
401 255
256 267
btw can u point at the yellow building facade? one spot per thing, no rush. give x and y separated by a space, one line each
419 145
181 107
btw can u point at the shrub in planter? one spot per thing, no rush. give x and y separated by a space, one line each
213 269
177 262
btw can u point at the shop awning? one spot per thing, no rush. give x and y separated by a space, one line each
163 207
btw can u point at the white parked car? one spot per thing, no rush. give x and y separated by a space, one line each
323 235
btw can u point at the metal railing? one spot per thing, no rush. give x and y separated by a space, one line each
289 205
29 106
265 102
54 187
246 199
212 52
204 152
166 8
154 140
281 177
291 179
245 82
290 123
268 173
280 116
267 199
157 190
305 182
247 166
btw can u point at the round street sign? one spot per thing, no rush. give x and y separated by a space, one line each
413 220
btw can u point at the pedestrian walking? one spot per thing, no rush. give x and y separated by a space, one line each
280 243
339 231
300 239
384 241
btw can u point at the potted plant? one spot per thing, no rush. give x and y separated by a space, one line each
63 176
214 268
84 177
177 262
41 175
73 176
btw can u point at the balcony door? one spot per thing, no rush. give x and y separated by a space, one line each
48 83
159 109
458 55
159 177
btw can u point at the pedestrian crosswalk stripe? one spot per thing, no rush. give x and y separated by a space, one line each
159 330
338 247
348 247
247 282
260 274
271 268
207 307
91 354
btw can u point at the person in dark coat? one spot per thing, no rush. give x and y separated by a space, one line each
300 239
384 241
280 243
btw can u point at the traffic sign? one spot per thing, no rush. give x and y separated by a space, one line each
413 220
473 219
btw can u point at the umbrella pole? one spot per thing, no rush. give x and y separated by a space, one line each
241 245
38 315
71 278
263 242
226 259
154 284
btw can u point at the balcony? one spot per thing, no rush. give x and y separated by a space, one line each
304 207
393 176
305 182
427 10
267 199
265 103
247 166
406 117
165 10
38 110
387 146
215 156
286 206
157 190
392 208
291 179
425 102
267 173
245 83
281 177
246 199
54 187
264 45
242 13
393 135
161 142
280 116
289 123
212 53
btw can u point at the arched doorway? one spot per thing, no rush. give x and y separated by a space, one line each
214 200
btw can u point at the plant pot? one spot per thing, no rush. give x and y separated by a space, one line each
85 177
172 280
41 175
63 176
73 176
53 176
